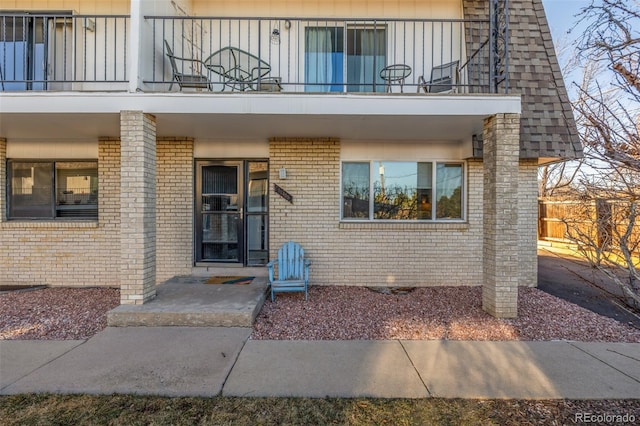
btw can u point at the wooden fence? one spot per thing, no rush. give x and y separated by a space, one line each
594 219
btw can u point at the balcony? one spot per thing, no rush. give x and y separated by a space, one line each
64 52
80 53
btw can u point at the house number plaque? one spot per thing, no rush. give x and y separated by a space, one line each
284 194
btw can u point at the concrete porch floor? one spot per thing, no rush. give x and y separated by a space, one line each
188 301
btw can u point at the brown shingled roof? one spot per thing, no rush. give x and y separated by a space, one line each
547 127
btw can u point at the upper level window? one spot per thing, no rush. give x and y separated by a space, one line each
402 190
53 189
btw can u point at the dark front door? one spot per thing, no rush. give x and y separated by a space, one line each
231 212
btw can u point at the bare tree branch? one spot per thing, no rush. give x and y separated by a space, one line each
606 223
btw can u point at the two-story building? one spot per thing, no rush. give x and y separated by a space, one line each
397 140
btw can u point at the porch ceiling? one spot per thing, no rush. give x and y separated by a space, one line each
253 116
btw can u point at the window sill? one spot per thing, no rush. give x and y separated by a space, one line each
439 226
49 224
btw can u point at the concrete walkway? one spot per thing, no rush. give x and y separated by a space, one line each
208 361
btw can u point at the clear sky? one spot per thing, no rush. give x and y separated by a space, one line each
561 15
562 18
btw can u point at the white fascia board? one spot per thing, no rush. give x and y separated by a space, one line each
262 104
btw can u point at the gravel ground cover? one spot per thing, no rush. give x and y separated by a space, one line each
55 313
453 313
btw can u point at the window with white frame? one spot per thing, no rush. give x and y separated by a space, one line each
52 189
402 190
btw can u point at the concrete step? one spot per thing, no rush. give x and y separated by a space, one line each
228 270
188 301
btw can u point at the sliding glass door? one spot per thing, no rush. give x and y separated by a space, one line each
22 53
337 59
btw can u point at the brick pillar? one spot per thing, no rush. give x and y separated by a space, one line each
3 180
500 216
137 207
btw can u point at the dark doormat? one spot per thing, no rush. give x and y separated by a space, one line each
392 290
229 280
16 287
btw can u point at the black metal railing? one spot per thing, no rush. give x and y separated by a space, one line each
63 52
91 52
317 55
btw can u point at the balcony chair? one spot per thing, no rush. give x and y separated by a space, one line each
293 270
444 79
195 79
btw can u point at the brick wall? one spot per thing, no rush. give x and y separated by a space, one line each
75 253
403 254
68 253
3 179
174 243
528 223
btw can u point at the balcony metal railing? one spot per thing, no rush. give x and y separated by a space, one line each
317 55
66 52
63 52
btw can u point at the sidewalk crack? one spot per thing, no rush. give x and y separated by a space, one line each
233 365
43 365
606 363
415 368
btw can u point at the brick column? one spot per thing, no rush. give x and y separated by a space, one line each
3 180
500 244
137 207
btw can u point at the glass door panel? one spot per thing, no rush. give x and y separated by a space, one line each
22 53
366 57
220 212
324 59
232 211
256 227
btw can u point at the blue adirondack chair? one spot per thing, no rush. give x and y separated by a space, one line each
293 270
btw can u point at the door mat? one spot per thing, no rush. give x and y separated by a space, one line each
229 280
18 287
392 290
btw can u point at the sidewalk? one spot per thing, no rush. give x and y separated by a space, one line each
208 361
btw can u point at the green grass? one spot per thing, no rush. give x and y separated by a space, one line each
49 409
